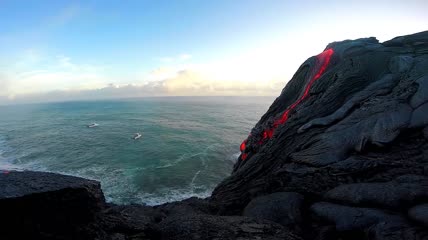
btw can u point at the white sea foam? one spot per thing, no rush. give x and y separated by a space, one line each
118 187
6 163
187 156
194 177
171 196
234 157
118 184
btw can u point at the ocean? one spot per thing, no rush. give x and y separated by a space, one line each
188 144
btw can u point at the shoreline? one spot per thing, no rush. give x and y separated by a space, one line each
351 163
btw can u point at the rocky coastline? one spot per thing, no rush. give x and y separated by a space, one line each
342 153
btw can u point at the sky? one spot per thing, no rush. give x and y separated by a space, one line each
73 50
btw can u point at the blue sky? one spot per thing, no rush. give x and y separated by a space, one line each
186 47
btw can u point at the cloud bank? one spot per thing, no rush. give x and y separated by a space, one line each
38 77
184 83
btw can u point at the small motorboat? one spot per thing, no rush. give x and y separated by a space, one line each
137 136
93 125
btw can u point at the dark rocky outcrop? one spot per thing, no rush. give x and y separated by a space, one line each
284 208
131 220
348 218
342 153
47 204
38 205
185 227
393 194
349 133
420 214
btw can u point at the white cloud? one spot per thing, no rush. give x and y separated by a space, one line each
4 85
262 72
35 72
184 57
27 59
189 82
183 83
65 62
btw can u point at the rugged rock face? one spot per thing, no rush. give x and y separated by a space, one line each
46 204
349 133
283 208
222 227
342 153
38 205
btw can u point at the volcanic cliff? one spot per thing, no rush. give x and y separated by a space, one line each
342 153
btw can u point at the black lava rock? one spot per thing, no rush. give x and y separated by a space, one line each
349 132
393 194
350 218
282 207
222 227
354 114
419 213
38 205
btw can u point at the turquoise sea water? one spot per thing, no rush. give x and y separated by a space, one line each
189 144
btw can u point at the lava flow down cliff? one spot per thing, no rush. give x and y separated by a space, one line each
342 153
348 132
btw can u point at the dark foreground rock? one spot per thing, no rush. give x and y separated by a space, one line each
284 208
393 194
48 205
342 153
38 205
420 214
222 227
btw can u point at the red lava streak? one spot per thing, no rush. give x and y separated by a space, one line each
243 145
324 59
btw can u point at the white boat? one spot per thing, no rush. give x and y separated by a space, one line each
93 125
137 136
